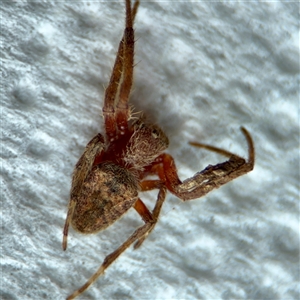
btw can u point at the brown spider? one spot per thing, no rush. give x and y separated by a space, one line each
113 169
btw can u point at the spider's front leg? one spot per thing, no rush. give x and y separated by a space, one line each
211 177
115 118
122 109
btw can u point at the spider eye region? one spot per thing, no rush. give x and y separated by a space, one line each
155 133
146 143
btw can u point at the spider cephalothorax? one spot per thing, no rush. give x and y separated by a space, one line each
113 169
145 144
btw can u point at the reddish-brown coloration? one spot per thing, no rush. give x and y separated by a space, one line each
112 170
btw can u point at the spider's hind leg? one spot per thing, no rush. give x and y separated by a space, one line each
140 234
143 211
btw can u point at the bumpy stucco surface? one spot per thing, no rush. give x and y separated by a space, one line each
203 70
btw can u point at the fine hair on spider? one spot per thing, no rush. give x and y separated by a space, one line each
114 167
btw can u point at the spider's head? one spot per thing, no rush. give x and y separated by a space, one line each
146 143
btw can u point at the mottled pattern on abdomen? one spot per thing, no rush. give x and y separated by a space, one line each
107 193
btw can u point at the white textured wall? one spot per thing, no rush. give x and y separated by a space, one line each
204 69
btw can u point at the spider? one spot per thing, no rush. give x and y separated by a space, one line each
113 168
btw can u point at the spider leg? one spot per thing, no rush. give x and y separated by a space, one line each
142 209
92 151
227 153
137 235
112 89
211 177
71 207
110 95
122 109
155 214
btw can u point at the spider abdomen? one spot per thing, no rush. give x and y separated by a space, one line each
106 194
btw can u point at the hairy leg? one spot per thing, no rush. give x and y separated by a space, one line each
112 89
122 109
211 177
